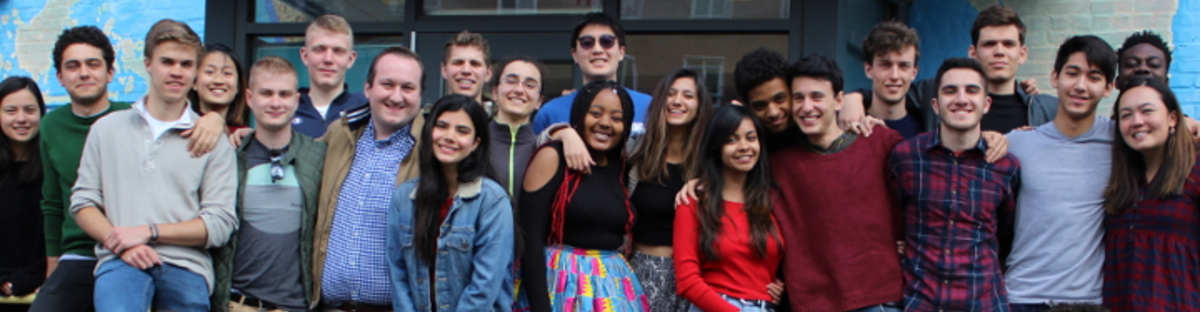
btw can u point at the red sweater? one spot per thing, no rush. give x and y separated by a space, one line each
740 272
841 220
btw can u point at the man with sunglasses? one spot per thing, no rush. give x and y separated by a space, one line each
598 46
266 266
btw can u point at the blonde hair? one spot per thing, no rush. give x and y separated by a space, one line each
272 65
468 39
331 23
172 30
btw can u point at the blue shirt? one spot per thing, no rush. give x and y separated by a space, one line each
558 110
908 126
356 267
309 120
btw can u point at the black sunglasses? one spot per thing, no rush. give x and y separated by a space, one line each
606 42
277 172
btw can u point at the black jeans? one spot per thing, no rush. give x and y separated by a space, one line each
69 288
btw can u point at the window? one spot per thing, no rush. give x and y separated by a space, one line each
704 9
510 7
708 54
304 11
710 9
712 71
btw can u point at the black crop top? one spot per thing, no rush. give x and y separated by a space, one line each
655 207
595 219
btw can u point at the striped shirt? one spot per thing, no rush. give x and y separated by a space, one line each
356 267
954 204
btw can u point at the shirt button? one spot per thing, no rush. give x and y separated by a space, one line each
945 281
953 192
951 222
947 250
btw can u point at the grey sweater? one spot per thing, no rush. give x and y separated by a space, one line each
135 180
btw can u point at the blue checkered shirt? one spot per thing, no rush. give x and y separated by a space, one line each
356 266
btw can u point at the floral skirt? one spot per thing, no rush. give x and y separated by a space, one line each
584 280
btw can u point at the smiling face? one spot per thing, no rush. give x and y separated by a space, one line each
682 102
466 70
604 123
84 73
891 74
962 100
1000 51
172 69
597 62
740 153
395 94
273 99
1145 122
20 116
1143 60
217 82
815 106
453 137
772 103
519 92
327 55
1080 87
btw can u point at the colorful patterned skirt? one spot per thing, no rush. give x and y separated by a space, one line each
585 280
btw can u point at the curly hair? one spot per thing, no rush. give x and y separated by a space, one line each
1147 37
89 35
756 68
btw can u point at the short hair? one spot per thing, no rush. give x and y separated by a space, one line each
957 63
541 68
331 23
1147 37
468 39
1097 51
400 51
890 36
997 15
756 68
597 18
171 30
89 35
819 67
273 65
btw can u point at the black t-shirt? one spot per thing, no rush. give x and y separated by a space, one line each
1007 113
655 207
907 126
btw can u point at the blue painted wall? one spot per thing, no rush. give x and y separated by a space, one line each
1185 68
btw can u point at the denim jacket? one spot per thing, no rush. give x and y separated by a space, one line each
475 251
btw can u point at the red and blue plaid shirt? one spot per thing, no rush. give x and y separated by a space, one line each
955 204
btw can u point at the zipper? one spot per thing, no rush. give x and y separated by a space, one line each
512 151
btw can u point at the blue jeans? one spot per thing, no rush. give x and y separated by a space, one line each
122 288
877 308
742 305
1029 307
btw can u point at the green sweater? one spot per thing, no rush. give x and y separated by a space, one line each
63 134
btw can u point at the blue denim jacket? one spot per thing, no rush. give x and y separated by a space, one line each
475 251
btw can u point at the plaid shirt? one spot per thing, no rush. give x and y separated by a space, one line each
954 205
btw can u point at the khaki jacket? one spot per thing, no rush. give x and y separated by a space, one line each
341 138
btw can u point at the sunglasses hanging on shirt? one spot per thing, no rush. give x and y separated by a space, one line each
277 172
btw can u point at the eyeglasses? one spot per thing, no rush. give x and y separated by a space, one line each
277 172
606 42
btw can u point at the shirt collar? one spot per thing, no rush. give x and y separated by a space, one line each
184 122
465 190
369 134
935 142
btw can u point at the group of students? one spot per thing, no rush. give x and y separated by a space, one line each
969 191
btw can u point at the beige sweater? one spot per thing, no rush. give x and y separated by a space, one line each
135 180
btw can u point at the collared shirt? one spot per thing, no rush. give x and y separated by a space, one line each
158 127
312 122
954 205
356 267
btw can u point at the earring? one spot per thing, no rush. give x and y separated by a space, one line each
1172 130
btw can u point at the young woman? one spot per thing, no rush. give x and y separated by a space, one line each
22 255
660 165
1152 241
219 87
727 245
450 231
574 224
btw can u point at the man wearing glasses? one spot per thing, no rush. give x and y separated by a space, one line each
266 266
598 46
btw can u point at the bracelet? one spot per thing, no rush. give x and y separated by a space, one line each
153 234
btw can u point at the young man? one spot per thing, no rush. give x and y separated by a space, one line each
998 42
1144 54
597 46
954 201
892 51
155 209
328 53
83 61
467 65
517 91
267 264
760 78
369 153
835 187
1057 249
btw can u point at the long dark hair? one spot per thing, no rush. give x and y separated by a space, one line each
570 183
650 156
238 115
433 189
710 170
1128 166
32 173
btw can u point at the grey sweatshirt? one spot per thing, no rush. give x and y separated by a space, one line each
135 179
1058 251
